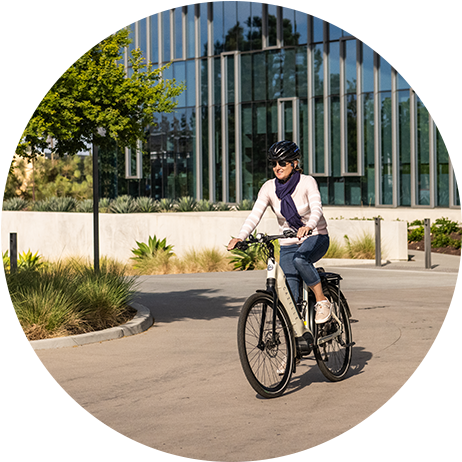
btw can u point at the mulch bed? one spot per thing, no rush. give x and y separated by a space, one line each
446 250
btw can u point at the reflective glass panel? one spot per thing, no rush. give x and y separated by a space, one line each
166 35
442 172
368 69
244 28
217 80
204 82
256 25
205 153
231 153
304 138
218 32
274 74
190 32
423 155
132 37
385 75
142 38
154 38
401 83
301 27
288 72
178 24
301 64
231 30
335 135
203 29
404 144
288 27
318 34
179 74
350 66
230 78
386 149
369 161
247 154
334 68
190 83
218 155
334 32
318 70
272 25
352 134
319 135
259 76
246 77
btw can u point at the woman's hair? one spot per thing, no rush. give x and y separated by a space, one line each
298 168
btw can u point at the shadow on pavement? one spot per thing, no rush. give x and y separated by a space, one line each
359 361
193 304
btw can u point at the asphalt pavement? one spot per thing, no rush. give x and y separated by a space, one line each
178 387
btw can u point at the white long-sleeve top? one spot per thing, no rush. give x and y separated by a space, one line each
307 200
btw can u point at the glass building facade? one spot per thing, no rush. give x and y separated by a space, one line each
258 73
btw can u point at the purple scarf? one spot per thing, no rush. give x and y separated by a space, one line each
288 209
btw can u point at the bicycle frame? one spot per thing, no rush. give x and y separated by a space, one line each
277 285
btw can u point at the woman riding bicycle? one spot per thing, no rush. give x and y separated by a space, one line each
296 201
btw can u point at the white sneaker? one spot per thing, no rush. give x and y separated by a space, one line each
323 311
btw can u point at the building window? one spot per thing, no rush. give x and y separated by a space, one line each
276 72
422 155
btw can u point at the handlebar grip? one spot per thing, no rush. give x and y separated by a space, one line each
241 245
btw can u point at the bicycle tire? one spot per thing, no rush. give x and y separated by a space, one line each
261 363
332 357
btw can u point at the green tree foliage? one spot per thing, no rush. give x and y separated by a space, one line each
94 101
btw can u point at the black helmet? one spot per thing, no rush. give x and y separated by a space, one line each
284 150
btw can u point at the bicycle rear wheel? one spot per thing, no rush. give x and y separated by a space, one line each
267 360
334 355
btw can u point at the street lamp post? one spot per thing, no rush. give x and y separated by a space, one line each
95 209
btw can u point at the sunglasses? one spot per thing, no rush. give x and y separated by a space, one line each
282 163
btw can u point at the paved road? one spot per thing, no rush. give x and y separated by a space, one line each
179 387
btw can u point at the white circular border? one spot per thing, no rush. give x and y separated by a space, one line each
46 86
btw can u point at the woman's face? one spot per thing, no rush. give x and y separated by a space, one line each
282 173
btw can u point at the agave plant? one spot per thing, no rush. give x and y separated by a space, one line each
55 204
221 207
204 205
29 261
124 204
146 205
166 205
251 258
104 205
245 204
85 206
150 249
15 203
185 204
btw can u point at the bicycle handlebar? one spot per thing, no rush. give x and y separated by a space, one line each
261 238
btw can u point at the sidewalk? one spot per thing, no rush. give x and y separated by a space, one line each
416 262
178 387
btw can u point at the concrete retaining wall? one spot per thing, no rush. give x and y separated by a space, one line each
58 235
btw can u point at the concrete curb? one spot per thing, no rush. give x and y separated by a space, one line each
142 321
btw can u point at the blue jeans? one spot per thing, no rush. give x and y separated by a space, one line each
297 261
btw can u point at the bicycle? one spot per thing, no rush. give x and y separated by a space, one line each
275 333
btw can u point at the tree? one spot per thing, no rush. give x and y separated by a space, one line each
96 102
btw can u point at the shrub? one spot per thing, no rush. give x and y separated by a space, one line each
69 298
442 232
361 247
55 204
146 205
15 203
185 204
245 204
335 250
104 205
123 204
166 205
153 257
203 261
85 206
204 205
221 207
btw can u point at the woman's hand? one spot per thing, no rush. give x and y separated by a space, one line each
303 231
233 242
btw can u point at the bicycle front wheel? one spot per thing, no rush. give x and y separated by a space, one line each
267 357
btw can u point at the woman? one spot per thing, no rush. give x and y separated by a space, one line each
296 201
